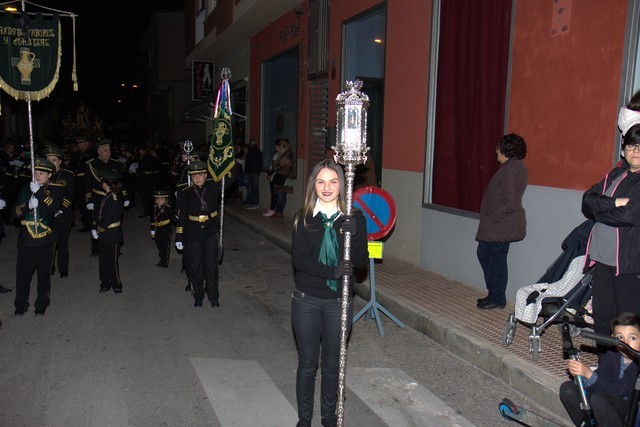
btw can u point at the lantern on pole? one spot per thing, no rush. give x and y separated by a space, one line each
351 150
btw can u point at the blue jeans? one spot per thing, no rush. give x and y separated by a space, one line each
316 319
493 259
281 201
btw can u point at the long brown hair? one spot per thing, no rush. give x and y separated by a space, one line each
311 197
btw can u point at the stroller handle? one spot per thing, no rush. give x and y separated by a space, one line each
609 341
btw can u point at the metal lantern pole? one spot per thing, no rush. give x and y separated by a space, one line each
187 146
351 150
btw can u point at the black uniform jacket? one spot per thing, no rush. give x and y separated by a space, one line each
40 232
65 179
198 211
109 218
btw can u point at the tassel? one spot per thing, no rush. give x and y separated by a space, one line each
74 76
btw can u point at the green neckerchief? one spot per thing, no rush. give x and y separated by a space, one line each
329 249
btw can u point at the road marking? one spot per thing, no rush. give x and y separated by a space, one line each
242 394
399 400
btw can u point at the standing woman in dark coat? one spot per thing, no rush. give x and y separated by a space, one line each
614 244
318 247
502 218
108 231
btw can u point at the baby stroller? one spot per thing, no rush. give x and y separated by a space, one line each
562 294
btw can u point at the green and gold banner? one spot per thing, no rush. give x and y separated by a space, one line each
30 52
221 156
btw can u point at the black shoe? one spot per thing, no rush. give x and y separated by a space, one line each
329 421
188 288
162 264
488 305
215 303
197 303
40 311
20 311
483 300
103 290
64 274
4 290
304 422
117 290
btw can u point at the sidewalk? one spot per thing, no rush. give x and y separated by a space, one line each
445 311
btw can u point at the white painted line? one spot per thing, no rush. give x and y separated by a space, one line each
242 394
399 400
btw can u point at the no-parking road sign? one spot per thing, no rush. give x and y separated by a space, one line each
379 209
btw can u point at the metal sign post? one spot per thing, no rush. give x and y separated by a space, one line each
351 150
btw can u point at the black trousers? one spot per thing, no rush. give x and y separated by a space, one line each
201 256
85 214
62 227
612 295
30 259
609 411
163 243
314 320
108 265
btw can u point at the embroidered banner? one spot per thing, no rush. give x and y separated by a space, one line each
221 156
30 52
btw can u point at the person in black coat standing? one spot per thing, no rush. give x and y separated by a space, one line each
36 205
64 216
161 221
252 169
197 232
502 218
108 230
316 304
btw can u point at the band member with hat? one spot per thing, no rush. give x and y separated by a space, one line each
108 229
64 215
93 181
79 159
36 206
197 232
161 226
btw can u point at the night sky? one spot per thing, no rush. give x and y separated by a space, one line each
107 39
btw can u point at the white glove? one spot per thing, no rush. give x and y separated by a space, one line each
153 234
33 203
179 246
94 233
126 203
16 162
3 204
58 213
34 186
90 206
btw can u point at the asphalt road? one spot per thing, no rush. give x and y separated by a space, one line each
147 357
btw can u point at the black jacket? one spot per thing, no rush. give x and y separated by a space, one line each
625 218
311 276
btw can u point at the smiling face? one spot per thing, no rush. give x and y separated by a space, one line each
327 186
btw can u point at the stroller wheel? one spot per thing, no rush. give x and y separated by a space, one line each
508 332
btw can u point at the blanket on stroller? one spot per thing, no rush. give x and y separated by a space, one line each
529 304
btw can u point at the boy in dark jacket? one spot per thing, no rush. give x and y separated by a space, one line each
609 387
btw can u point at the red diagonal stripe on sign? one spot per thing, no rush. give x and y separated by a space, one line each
369 213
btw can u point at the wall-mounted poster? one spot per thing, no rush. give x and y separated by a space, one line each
201 79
